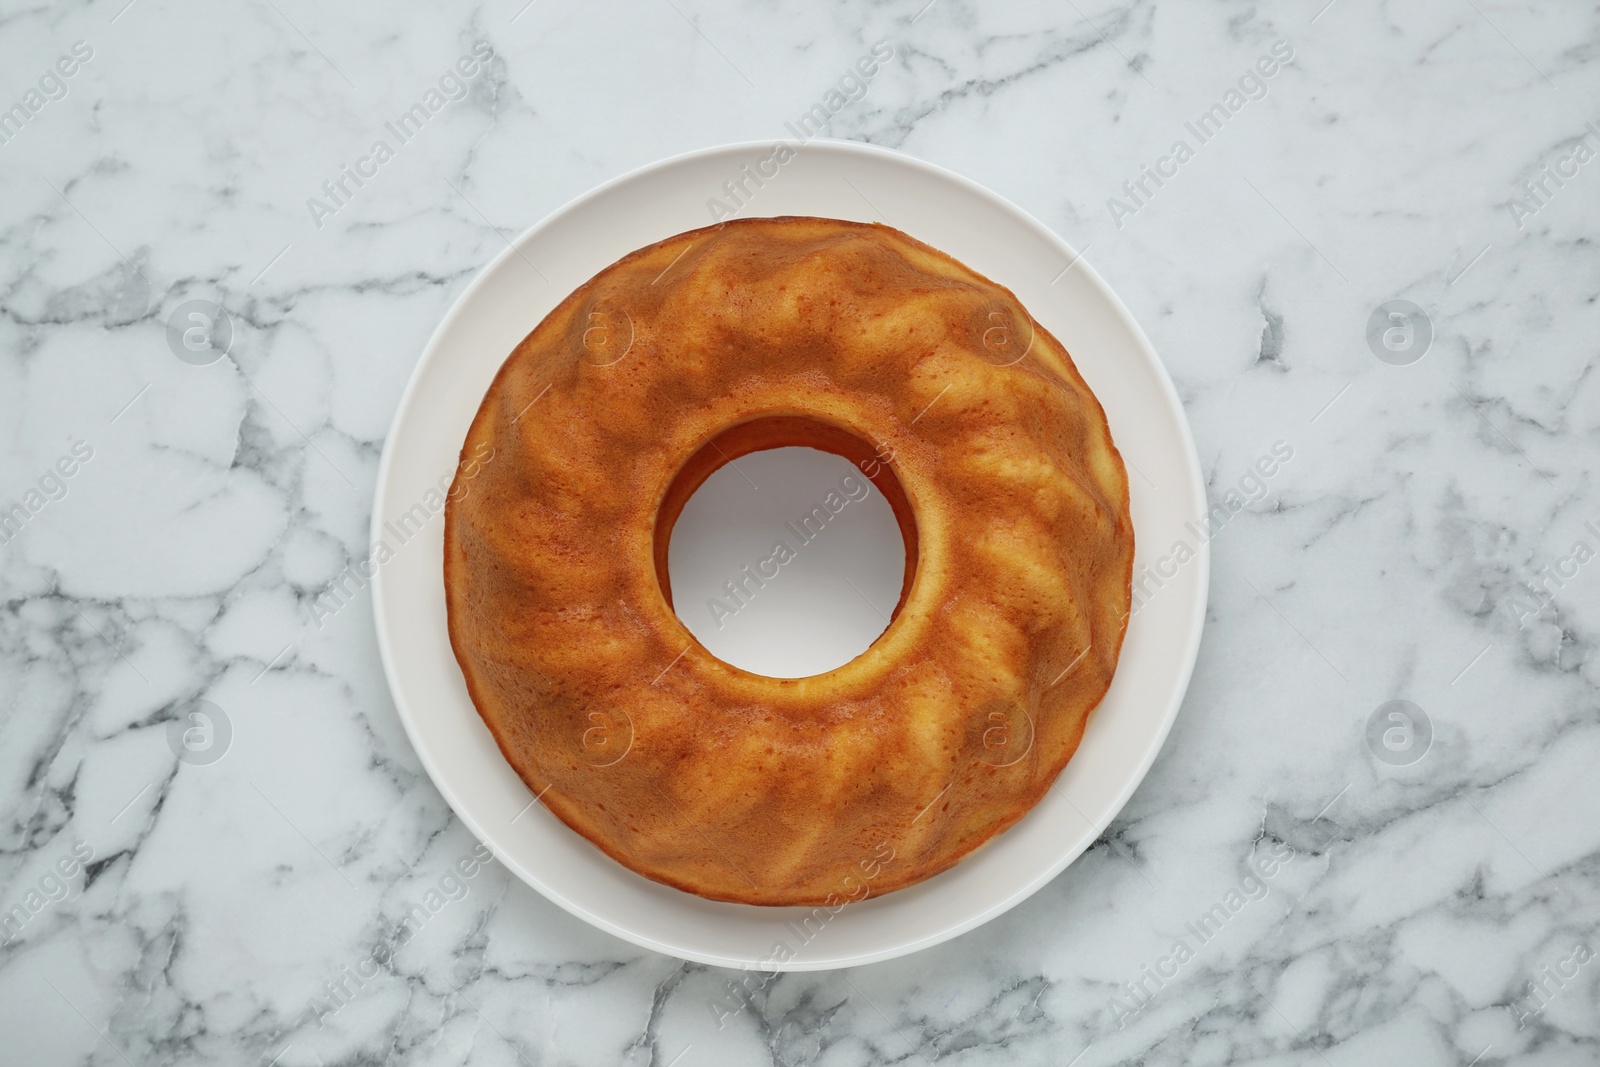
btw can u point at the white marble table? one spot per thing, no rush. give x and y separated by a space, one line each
178 519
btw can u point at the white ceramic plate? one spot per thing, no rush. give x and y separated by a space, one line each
840 180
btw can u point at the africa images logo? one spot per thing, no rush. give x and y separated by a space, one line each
50 487
813 122
452 87
1252 85
53 86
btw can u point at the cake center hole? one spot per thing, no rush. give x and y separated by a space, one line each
787 562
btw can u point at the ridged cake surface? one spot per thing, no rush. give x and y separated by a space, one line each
951 400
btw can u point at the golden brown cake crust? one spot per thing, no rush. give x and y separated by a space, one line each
872 776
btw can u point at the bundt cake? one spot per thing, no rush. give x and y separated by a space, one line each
964 412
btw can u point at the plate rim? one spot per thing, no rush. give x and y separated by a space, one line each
1195 624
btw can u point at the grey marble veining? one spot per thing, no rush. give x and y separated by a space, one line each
305 898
